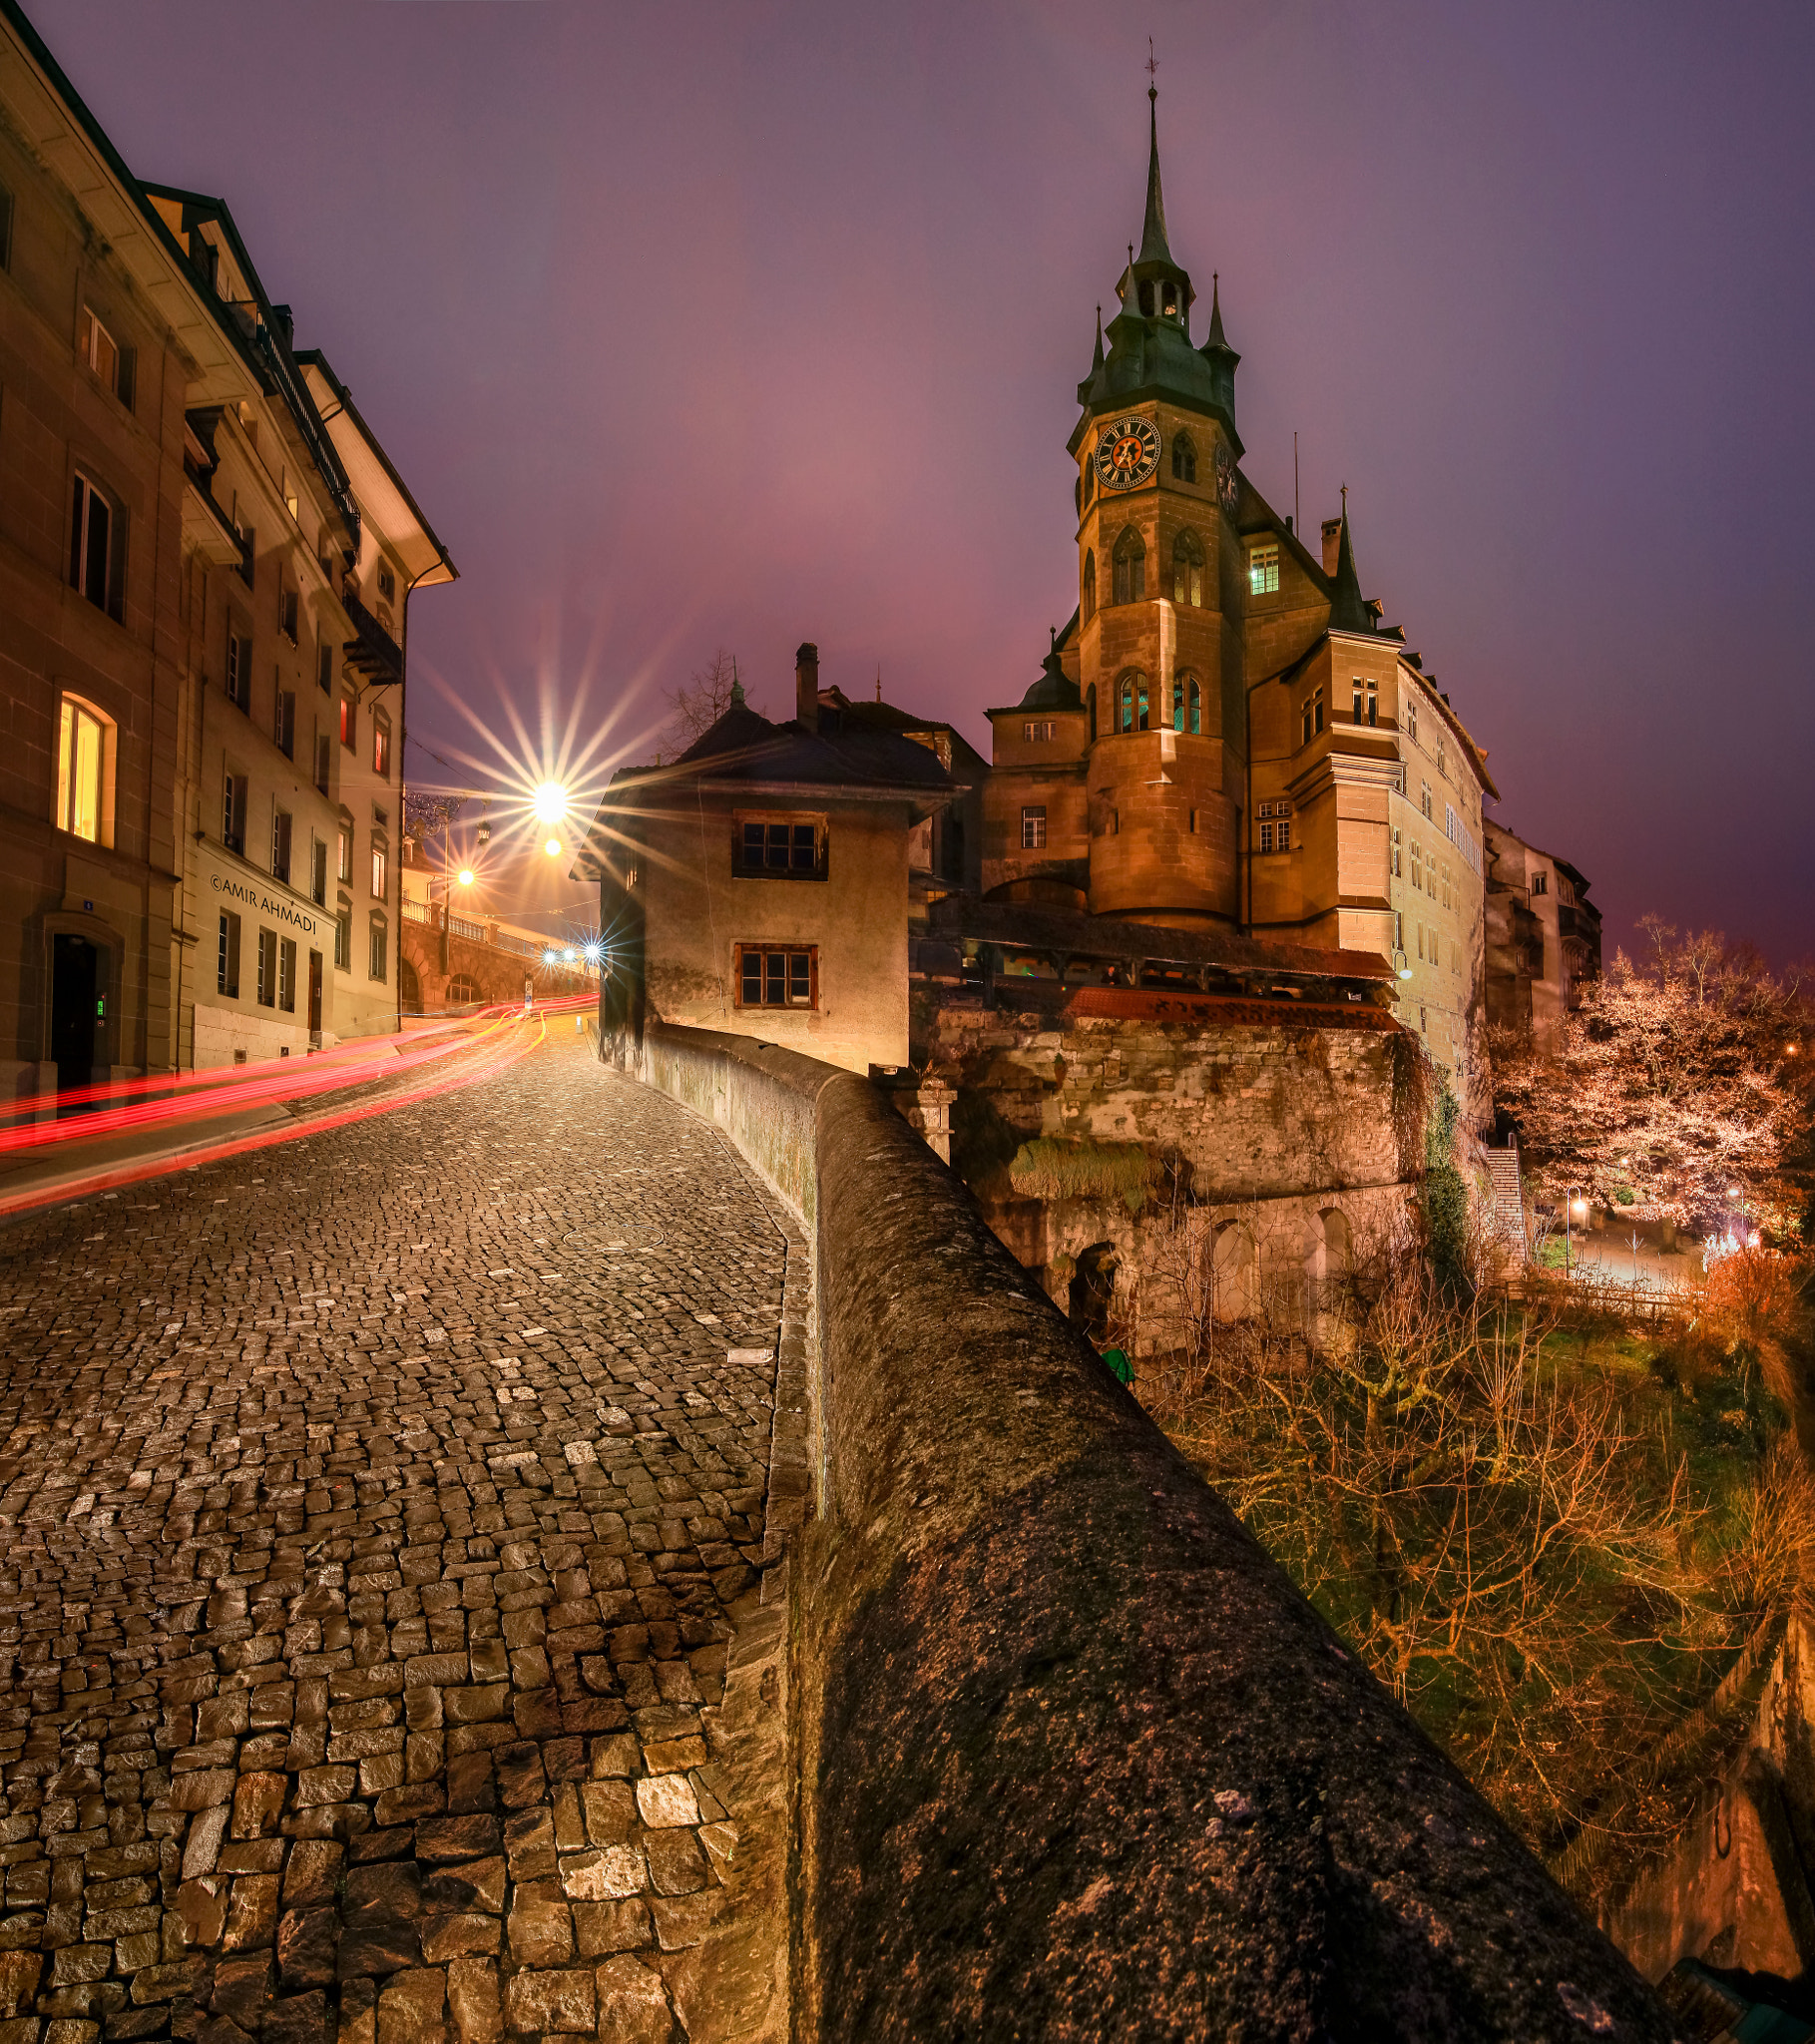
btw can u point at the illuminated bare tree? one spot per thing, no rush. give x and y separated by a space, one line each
697 703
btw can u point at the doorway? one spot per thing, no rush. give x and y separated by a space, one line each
314 993
78 1010
1092 1291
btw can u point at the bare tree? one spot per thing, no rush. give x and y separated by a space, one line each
697 703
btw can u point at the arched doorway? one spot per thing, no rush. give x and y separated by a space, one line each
1092 1291
409 987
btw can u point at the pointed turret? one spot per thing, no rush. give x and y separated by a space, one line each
1348 610
1148 339
1152 230
1217 351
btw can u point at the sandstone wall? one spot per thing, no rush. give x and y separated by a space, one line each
1287 1122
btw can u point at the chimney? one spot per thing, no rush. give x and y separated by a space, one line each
1332 544
807 686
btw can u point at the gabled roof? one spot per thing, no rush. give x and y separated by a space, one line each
744 749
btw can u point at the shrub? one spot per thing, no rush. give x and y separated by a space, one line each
1057 1167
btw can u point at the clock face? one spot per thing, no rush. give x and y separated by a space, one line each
1228 483
1127 453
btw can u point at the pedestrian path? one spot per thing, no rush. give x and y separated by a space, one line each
382 1654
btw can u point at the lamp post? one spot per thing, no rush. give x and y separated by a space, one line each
1569 1215
447 891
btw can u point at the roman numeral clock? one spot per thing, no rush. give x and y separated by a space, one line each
1127 453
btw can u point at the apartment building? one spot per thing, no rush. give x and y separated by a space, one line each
204 563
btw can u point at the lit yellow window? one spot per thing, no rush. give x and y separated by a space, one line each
1263 570
80 758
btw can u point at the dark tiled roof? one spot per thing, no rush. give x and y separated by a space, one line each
1034 927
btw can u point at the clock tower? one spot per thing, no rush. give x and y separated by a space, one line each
1159 625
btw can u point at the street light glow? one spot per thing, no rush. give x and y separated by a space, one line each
552 848
548 957
591 954
466 876
550 802
567 955
1734 1192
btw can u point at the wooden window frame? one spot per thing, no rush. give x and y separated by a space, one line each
810 1007
791 821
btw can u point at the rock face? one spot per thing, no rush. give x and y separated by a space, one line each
1285 1125
1737 1890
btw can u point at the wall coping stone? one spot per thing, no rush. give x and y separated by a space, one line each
1073 1758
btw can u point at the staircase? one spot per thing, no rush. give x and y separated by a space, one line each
1508 1198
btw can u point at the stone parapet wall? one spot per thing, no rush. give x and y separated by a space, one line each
1072 1757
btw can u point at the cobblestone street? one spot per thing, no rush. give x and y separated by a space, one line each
380 1512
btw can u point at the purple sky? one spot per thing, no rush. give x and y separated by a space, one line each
736 325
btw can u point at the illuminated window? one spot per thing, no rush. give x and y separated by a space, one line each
1032 828
1184 458
81 770
1038 731
1134 703
1188 569
1187 705
350 723
378 874
1131 568
777 979
1264 569
343 861
382 750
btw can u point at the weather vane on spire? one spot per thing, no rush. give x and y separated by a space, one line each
1152 70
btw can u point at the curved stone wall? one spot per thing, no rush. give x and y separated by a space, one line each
1075 1760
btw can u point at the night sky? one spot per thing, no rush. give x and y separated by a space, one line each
734 325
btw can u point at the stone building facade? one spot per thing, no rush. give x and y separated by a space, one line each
1225 732
1542 935
762 883
201 602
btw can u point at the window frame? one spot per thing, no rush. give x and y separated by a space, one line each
1128 567
789 952
381 747
1187 570
381 866
284 832
73 713
1184 457
1263 568
85 495
743 822
350 723
226 957
378 951
268 966
1033 827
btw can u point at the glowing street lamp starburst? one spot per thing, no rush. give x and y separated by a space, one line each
550 802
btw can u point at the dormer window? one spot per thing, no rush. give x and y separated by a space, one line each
1264 569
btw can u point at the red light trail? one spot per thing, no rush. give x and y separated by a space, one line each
445 1062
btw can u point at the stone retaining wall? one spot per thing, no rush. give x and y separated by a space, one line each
1074 1759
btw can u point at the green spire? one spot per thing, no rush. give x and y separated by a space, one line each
1153 230
1097 358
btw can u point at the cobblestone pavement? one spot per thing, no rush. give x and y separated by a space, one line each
380 1512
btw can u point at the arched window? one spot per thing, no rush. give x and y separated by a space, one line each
1130 577
1188 569
84 791
1089 595
1195 709
1177 705
1134 701
1184 457
1090 702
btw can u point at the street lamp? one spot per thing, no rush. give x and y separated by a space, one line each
447 890
550 802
